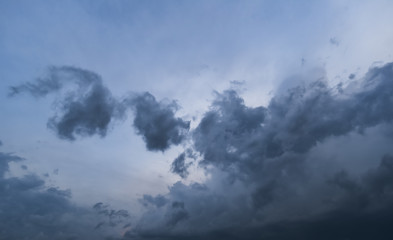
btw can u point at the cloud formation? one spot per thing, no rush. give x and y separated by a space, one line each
90 109
267 180
180 166
233 134
31 210
157 123
268 176
84 111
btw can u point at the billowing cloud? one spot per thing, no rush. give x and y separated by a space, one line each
267 178
157 123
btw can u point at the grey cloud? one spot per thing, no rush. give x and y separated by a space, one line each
379 182
225 128
42 87
113 217
196 211
266 178
84 111
156 122
86 107
87 115
157 201
268 182
55 79
180 166
232 133
5 159
361 209
177 214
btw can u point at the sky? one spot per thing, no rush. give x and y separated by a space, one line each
202 119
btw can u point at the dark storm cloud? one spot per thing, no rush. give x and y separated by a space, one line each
268 183
156 122
30 210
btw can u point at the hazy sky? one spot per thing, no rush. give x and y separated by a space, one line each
196 119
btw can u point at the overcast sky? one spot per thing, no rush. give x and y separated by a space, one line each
196 119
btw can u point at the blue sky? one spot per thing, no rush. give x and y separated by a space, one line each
189 52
